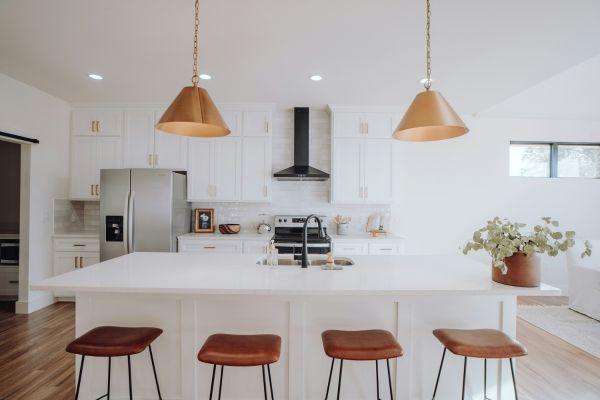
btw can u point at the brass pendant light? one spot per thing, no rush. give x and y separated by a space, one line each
193 112
429 117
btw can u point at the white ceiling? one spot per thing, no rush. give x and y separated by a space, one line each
369 52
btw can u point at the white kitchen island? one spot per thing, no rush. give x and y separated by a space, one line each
191 296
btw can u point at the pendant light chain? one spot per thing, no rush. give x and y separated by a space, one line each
428 45
196 26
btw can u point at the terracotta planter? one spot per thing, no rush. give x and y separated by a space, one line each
523 270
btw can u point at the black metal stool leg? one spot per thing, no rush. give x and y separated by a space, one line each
464 379
270 381
79 378
512 371
340 378
377 377
485 379
387 361
264 381
221 381
329 381
154 370
129 373
437 381
108 386
212 382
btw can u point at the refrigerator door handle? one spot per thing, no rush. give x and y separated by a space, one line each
126 224
130 228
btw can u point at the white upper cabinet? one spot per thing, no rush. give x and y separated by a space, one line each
233 119
199 178
170 151
227 169
138 141
146 147
88 156
256 169
96 122
372 124
377 169
362 155
256 123
347 177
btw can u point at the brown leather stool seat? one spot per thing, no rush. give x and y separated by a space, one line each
368 345
240 350
371 345
113 341
480 343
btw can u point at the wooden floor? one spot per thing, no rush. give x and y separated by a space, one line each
34 365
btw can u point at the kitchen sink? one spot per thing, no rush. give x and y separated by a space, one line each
315 262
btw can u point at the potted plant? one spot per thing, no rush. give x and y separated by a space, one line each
515 255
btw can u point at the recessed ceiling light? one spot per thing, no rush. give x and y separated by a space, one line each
96 77
424 81
206 77
315 78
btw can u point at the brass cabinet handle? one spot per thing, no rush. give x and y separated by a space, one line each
80 262
97 126
210 247
93 126
267 126
79 245
97 190
92 190
366 128
75 259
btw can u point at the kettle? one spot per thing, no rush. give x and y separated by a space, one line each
263 228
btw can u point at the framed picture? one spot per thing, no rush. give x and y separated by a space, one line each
204 220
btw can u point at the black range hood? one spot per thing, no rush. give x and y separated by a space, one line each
301 171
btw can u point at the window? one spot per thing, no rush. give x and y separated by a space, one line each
555 160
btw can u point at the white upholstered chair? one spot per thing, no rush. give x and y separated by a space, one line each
584 279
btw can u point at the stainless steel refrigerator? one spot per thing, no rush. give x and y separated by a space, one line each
142 210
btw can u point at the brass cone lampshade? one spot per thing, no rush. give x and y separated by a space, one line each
193 113
428 118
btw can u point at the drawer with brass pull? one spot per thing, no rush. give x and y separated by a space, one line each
77 244
210 246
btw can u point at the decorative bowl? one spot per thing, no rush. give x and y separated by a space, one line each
230 229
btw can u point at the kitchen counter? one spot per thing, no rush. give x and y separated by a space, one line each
193 295
219 236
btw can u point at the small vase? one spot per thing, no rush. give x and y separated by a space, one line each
342 229
523 271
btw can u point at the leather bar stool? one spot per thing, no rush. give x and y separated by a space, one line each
114 341
240 351
369 345
479 343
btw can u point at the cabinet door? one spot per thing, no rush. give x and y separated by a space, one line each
379 125
233 119
96 122
256 123
108 156
170 151
255 246
84 172
89 259
138 140
256 169
227 177
347 171
200 169
348 124
65 262
378 171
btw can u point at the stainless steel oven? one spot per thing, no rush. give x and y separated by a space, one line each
9 251
288 235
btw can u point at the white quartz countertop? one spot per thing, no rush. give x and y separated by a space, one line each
220 236
194 273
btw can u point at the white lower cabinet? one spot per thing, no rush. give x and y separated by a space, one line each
90 154
255 247
9 280
369 246
346 248
191 244
74 253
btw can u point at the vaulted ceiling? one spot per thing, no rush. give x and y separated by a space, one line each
369 52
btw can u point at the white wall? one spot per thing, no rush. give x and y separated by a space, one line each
29 112
450 188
